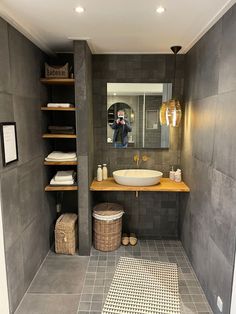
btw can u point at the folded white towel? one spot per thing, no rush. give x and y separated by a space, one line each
58 105
57 155
64 175
54 182
54 160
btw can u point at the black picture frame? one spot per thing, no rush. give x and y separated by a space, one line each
4 144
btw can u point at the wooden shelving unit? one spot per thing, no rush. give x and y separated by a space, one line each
60 163
54 188
51 135
57 109
59 82
67 81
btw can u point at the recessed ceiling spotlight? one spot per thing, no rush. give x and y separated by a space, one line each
160 10
79 10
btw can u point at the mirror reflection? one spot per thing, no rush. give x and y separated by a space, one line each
133 115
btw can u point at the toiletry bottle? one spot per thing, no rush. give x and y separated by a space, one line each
172 174
178 176
99 173
104 172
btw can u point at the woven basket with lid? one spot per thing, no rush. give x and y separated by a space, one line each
66 234
107 226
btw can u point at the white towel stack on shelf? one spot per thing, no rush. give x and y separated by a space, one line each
64 178
61 156
58 105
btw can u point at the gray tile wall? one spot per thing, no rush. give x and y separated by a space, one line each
152 215
208 216
26 210
85 153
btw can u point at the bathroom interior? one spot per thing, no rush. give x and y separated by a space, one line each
119 62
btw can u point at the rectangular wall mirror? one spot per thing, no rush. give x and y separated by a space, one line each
133 115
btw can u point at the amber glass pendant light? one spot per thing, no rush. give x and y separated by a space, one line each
170 113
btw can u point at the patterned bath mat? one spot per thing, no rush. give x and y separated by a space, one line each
143 286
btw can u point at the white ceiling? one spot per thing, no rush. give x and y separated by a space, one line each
114 26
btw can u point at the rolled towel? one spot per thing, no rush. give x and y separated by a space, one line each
68 175
58 105
54 182
57 155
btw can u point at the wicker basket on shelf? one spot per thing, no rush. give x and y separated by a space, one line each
107 226
66 234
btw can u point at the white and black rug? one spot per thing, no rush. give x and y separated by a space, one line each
143 286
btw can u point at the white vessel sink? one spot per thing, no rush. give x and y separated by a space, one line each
137 177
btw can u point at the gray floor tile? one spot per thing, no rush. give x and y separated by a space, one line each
60 275
48 304
92 278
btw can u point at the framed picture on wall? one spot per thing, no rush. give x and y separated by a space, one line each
9 142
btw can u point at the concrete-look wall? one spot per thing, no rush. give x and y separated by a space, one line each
152 215
25 208
208 215
85 153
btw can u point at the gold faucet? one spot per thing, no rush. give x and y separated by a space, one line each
139 159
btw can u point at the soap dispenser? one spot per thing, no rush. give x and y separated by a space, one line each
99 173
172 174
104 172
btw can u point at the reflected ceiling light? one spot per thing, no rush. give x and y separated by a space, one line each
79 10
114 94
160 10
170 112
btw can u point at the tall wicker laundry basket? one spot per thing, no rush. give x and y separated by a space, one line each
107 226
66 234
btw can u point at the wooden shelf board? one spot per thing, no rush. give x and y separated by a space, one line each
57 109
49 135
54 188
166 185
60 163
55 81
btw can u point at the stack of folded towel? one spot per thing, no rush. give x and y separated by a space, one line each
58 129
61 156
64 178
59 105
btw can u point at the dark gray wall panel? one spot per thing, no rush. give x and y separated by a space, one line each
146 215
207 215
29 127
227 75
225 143
26 210
85 142
5 73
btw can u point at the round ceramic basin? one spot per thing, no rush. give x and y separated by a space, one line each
137 177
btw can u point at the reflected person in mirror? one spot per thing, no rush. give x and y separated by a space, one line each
121 129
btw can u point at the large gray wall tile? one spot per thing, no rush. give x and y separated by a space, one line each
225 144
227 75
28 120
25 61
5 74
10 207
15 274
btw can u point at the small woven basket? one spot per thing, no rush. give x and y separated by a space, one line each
107 226
66 234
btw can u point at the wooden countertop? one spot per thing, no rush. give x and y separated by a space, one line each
166 185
